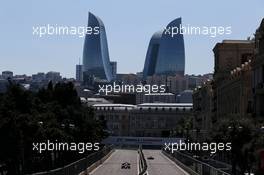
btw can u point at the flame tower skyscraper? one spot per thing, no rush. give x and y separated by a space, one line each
96 62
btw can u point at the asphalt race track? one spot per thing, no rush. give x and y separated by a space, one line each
161 165
112 166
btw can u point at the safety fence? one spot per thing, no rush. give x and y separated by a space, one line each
194 166
142 162
80 165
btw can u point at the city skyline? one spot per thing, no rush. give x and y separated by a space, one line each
132 87
128 32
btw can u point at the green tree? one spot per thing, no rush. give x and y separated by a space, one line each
54 113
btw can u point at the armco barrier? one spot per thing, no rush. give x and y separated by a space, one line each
79 166
96 164
193 166
142 162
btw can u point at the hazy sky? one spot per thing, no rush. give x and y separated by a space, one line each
129 26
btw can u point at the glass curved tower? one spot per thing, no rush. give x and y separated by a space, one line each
165 55
96 61
152 54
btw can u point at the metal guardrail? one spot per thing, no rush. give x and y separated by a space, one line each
142 162
193 166
77 167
